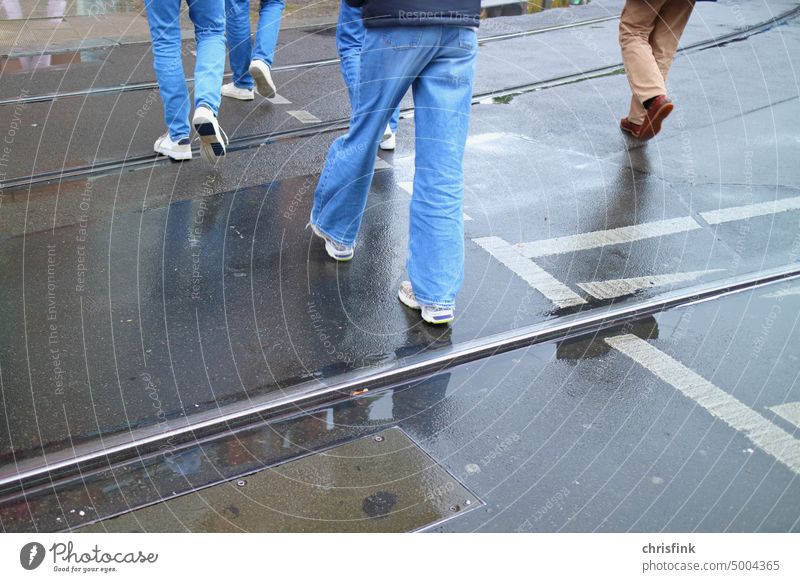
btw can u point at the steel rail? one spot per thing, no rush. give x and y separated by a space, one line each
148 85
303 397
265 138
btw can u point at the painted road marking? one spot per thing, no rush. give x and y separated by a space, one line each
601 238
408 188
536 277
751 210
484 138
381 164
613 288
768 437
789 412
278 100
646 230
304 116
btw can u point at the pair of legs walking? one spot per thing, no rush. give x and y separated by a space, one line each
649 33
208 17
251 63
438 64
350 32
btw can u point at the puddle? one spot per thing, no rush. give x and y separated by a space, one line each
38 9
54 61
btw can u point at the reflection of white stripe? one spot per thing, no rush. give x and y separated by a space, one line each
789 412
751 210
765 435
601 238
781 293
536 277
620 287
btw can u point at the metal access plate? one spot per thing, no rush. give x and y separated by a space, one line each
379 483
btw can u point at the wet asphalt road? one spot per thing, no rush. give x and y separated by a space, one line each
203 287
573 436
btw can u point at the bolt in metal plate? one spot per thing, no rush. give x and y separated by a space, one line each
378 483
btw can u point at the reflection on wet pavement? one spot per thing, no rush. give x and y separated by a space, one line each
379 483
28 9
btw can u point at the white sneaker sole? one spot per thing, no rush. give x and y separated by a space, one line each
211 144
239 96
389 144
179 156
263 79
439 321
413 304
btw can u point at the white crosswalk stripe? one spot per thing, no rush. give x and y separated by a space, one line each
613 288
790 412
765 435
602 238
751 210
304 116
278 100
646 230
535 276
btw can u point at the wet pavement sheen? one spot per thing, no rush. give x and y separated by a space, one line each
568 436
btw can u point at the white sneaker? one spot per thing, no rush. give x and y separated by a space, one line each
336 251
213 140
259 70
430 313
180 150
234 92
389 141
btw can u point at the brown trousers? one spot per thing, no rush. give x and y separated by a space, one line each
649 32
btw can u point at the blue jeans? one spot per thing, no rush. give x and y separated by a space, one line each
350 31
238 31
208 17
438 62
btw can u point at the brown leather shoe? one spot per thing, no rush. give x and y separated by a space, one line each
658 111
630 127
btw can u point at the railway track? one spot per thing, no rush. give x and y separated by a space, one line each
256 140
147 86
82 460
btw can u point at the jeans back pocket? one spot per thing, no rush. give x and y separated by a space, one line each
402 38
468 38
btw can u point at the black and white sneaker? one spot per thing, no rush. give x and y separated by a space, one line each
430 313
177 150
213 140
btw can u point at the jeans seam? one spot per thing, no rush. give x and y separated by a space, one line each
433 303
330 236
